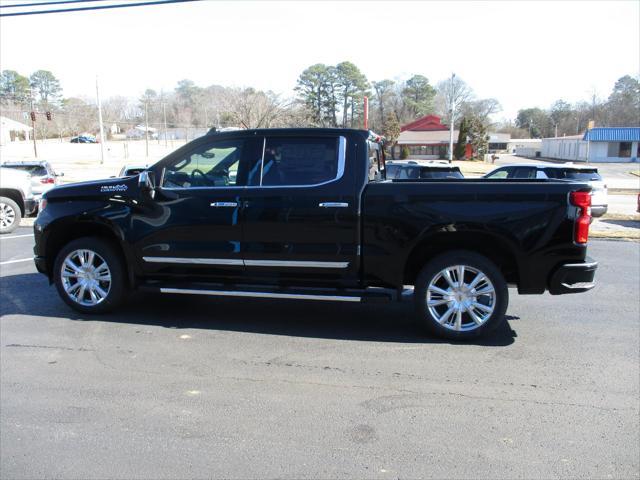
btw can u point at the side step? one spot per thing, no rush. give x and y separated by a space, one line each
377 295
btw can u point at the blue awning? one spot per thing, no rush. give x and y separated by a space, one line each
627 134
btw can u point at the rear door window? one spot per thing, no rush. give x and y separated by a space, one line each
292 161
521 172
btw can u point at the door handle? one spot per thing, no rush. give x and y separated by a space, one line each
224 204
333 205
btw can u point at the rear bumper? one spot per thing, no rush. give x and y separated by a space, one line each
573 277
30 206
598 210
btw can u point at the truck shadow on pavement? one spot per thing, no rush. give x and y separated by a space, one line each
30 294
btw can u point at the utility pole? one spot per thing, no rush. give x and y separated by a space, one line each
556 130
452 110
32 113
100 123
164 116
146 129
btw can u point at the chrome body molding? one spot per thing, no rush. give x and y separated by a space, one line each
247 263
333 205
194 261
295 263
290 296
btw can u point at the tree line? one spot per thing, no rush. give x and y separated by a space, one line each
325 96
620 109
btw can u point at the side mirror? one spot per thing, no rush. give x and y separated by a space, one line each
146 182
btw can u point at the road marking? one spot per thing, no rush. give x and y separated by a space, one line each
17 261
16 236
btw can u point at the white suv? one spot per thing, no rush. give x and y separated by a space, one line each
561 171
16 198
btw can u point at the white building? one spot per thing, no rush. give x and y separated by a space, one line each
596 145
11 131
525 147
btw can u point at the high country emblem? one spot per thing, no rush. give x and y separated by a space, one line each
113 188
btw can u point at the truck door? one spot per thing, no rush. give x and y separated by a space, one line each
300 215
193 225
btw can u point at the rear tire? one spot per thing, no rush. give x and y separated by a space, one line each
10 215
90 276
460 295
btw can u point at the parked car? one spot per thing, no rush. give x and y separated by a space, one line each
16 198
84 139
131 170
307 214
560 171
43 176
411 170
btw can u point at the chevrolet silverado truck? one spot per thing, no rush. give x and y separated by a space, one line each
308 214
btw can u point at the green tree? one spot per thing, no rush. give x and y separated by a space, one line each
404 153
351 87
418 95
14 88
478 136
316 89
46 88
391 130
463 133
623 104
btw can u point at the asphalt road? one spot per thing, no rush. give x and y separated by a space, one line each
181 387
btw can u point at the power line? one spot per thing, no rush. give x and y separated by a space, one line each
98 7
39 4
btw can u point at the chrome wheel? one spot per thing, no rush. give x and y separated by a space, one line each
86 277
461 298
7 215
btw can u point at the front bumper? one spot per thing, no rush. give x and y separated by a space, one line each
41 264
573 277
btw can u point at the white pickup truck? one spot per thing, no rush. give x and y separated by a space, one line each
16 198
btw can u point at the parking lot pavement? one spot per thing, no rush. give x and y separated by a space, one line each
181 387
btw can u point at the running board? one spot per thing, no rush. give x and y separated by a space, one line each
353 296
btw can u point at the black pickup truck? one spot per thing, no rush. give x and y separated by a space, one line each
308 214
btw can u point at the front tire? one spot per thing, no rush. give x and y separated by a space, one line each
90 276
460 295
10 215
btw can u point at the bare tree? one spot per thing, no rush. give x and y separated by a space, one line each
452 92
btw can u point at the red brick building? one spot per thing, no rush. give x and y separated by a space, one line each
426 138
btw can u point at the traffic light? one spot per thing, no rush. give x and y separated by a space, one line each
33 116
49 116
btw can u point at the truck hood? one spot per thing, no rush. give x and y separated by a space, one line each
111 187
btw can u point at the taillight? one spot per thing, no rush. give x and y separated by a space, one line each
46 180
582 200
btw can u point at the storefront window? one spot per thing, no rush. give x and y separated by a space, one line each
625 149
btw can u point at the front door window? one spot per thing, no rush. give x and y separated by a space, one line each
209 166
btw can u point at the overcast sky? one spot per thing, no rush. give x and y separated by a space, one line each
522 53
